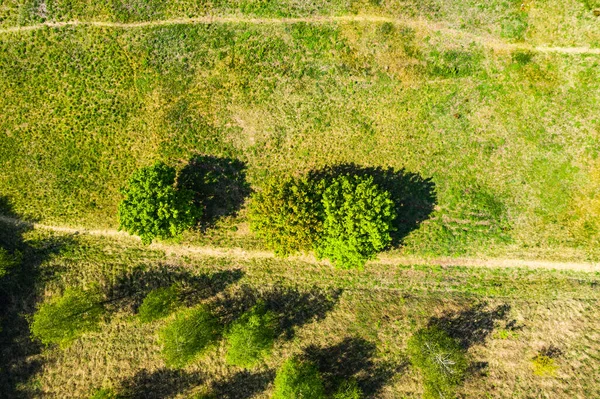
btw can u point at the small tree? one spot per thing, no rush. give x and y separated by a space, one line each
297 379
441 360
358 221
64 318
286 215
154 207
188 335
159 303
251 337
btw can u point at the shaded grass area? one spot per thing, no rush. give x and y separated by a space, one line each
353 325
508 140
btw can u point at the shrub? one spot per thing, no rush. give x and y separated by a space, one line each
297 379
8 261
188 335
251 337
154 207
285 214
544 366
159 303
348 390
442 362
64 318
358 221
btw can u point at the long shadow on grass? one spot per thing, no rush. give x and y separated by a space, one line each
159 384
353 358
414 196
130 289
242 385
293 308
219 185
19 293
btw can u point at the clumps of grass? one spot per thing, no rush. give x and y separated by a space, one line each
66 317
159 303
298 379
105 393
441 360
453 63
251 337
348 390
515 25
153 207
8 261
544 363
188 335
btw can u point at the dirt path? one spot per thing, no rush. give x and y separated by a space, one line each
488 41
239 253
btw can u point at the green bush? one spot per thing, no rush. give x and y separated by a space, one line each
544 366
153 207
441 360
358 221
64 318
251 337
285 214
188 335
159 303
348 390
297 379
8 261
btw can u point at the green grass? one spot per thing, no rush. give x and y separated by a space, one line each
508 139
381 306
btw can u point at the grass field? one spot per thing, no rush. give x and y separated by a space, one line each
503 316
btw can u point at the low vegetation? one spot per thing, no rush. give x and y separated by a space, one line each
159 303
298 379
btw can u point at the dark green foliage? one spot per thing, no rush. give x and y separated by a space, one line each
188 335
286 214
154 207
159 303
358 221
348 390
440 359
64 318
8 261
251 337
297 379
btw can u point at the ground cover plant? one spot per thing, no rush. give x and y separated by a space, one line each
159 303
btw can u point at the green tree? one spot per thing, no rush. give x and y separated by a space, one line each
188 335
251 337
65 317
286 214
159 303
358 221
441 360
297 379
153 207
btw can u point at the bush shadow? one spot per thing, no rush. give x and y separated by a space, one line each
20 290
413 196
130 289
473 325
353 358
219 185
292 308
159 384
242 385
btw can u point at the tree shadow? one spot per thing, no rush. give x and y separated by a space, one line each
219 185
472 326
130 289
353 358
414 196
242 385
292 308
20 291
158 384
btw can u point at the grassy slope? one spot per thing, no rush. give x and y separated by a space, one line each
510 140
382 306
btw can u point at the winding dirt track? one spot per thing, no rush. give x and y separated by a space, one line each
487 41
241 254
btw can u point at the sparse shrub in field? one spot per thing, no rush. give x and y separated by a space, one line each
188 335
348 390
358 221
297 379
64 318
442 362
286 215
544 366
251 337
154 207
159 303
